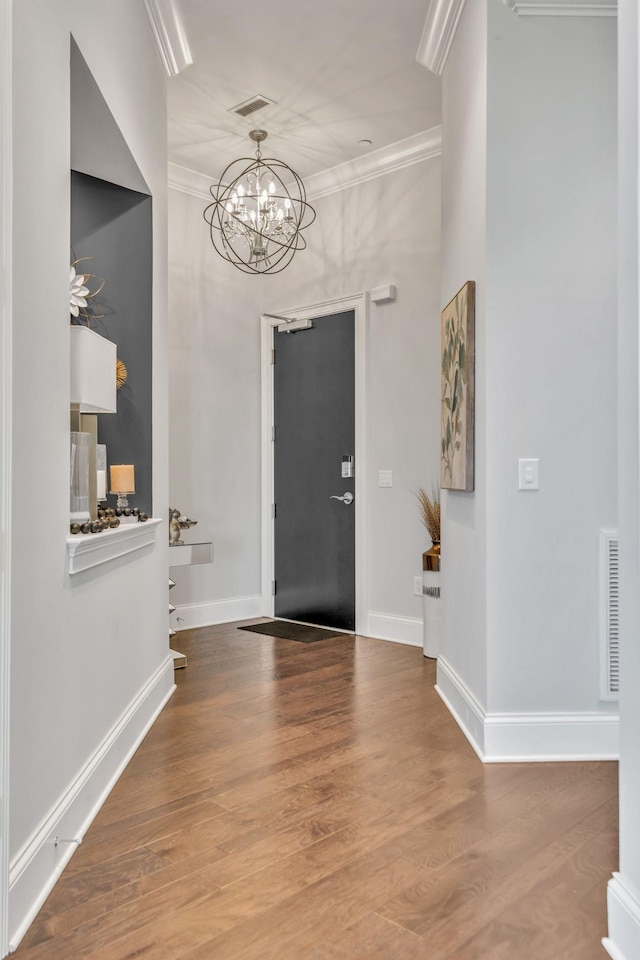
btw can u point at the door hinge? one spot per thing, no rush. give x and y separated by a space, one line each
273 511
273 434
273 355
273 588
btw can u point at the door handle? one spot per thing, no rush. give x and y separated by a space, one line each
347 498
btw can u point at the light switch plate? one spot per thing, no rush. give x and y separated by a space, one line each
385 478
528 474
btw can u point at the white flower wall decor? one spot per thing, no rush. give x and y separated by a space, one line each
80 294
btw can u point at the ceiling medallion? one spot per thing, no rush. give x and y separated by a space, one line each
258 212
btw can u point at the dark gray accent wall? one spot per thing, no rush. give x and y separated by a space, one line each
112 225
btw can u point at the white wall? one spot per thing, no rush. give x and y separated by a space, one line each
214 350
624 889
83 649
529 166
464 147
550 352
382 231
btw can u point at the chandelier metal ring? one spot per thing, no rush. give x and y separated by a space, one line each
258 212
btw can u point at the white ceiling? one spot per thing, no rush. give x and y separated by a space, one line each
340 71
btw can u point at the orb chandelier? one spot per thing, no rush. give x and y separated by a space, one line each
258 212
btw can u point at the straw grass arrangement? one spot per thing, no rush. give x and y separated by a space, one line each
430 511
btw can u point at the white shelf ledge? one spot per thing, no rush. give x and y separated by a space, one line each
185 554
88 550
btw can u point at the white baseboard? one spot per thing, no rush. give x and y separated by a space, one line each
623 942
383 626
527 737
34 871
468 713
190 615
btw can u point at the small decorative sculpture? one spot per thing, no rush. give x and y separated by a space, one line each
176 524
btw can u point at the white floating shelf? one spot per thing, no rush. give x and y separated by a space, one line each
184 554
88 550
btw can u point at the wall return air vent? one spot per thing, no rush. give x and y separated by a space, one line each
252 105
609 616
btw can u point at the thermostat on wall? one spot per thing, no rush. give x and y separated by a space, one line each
384 294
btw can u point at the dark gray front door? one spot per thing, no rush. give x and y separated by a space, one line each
314 535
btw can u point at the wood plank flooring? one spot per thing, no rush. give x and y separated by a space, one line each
317 802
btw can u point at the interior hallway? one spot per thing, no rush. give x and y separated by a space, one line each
318 801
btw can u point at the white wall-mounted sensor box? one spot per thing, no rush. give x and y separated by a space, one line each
384 294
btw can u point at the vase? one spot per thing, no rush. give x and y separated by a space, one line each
431 601
79 477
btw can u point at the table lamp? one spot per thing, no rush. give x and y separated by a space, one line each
122 482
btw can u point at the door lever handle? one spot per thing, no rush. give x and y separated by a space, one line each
347 498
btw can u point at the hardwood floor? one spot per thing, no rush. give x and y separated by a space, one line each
318 802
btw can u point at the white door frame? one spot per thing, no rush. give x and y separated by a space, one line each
359 304
5 453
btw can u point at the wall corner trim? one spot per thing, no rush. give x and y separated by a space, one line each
527 737
169 32
438 33
36 868
563 8
623 942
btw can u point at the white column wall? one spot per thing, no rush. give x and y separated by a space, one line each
83 648
624 890
550 353
529 213
464 530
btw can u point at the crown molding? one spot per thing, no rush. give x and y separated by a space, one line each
404 153
439 30
396 156
189 181
563 8
165 17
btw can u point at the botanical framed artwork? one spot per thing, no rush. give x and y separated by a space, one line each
457 330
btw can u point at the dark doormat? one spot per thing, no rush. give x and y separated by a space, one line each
293 631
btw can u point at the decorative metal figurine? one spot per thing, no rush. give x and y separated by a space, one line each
176 524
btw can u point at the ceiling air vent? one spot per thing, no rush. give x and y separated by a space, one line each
609 616
251 106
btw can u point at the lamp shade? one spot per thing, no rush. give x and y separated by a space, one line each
122 478
93 371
